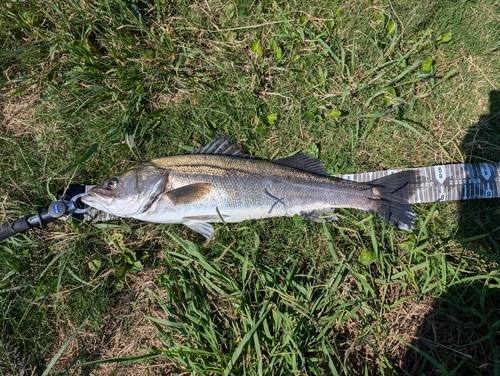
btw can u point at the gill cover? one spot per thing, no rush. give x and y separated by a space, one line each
132 193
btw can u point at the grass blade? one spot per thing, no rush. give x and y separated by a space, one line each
62 349
241 346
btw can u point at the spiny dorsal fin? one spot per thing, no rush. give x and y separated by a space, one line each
303 162
222 145
189 193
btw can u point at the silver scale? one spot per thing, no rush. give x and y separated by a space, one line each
436 183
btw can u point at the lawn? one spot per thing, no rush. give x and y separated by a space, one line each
90 88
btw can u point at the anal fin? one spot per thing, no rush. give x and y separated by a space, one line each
320 215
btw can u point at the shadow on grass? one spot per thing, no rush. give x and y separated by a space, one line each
461 333
482 144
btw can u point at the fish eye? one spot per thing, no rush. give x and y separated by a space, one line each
111 183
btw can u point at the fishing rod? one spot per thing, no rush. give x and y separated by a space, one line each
65 207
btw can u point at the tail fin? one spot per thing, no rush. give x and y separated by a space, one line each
390 199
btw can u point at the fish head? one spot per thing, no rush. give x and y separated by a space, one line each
131 193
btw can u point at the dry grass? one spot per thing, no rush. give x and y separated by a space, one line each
126 332
17 113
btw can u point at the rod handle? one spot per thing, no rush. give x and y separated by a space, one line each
9 229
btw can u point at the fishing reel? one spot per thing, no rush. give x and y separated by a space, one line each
68 205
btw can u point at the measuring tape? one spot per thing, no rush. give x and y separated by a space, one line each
446 182
436 183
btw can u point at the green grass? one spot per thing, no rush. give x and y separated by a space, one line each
90 88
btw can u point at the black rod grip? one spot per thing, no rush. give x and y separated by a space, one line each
8 229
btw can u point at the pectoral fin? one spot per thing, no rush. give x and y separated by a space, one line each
202 228
189 193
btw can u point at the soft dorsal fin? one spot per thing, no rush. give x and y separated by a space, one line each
222 145
303 162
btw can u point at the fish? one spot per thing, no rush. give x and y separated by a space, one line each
220 183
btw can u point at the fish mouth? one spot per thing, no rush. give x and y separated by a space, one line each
89 199
96 201
100 203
